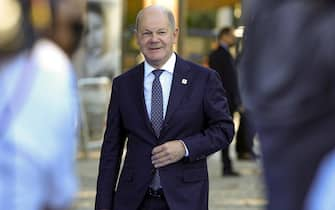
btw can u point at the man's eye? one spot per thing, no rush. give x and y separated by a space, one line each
162 32
146 33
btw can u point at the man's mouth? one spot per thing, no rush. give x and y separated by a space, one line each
154 48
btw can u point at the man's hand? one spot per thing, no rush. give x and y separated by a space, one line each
167 153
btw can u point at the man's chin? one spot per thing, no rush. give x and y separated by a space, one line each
155 62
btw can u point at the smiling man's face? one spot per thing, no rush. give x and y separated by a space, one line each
155 36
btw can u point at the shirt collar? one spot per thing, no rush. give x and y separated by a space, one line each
168 66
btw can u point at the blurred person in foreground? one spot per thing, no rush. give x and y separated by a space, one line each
288 85
38 105
174 114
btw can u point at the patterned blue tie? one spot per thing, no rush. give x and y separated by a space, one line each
156 117
157 103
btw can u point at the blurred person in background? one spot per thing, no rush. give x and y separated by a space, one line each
288 85
98 58
38 104
223 62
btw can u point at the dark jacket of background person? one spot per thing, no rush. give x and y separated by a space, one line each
288 85
222 61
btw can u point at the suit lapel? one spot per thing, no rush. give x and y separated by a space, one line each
180 83
139 96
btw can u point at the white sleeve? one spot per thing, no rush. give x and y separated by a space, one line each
62 177
321 196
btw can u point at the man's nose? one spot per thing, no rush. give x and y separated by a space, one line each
154 37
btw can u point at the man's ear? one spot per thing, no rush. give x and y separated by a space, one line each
175 35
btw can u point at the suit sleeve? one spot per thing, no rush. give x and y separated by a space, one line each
111 153
219 130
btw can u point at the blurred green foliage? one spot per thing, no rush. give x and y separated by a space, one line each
201 20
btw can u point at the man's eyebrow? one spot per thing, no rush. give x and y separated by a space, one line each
160 29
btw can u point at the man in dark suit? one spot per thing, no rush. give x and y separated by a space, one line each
223 62
174 114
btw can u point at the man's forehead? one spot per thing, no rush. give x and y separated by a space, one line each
154 14
153 23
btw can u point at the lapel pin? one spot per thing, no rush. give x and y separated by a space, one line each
184 81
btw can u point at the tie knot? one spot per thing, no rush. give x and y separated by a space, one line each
157 72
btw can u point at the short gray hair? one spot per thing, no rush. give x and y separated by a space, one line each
166 11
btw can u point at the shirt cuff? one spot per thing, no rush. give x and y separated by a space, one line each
186 150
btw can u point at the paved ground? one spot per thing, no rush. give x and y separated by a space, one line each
243 193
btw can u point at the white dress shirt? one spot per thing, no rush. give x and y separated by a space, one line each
166 81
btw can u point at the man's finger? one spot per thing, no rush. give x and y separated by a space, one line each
162 161
159 155
158 149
